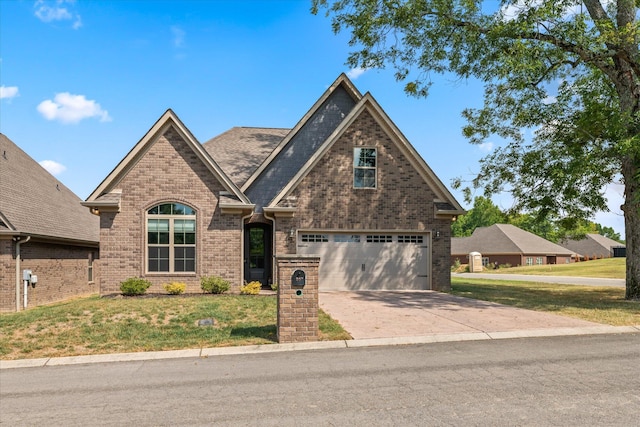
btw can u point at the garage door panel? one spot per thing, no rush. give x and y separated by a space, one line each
348 265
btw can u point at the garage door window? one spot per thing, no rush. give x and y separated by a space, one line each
410 239
364 167
379 238
346 238
315 238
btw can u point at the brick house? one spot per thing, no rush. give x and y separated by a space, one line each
43 228
508 244
594 246
344 184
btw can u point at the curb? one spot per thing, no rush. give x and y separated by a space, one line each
317 345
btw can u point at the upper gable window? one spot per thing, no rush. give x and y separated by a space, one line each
171 238
364 167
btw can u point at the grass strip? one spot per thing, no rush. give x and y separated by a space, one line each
596 304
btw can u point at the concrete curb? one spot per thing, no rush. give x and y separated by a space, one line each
318 345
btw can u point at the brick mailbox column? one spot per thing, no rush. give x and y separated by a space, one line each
297 298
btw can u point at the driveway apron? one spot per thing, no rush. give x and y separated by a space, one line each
388 314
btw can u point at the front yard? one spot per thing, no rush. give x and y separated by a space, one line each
97 325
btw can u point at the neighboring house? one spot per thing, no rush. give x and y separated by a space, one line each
595 246
344 184
43 228
508 244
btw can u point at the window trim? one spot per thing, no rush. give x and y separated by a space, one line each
374 168
171 245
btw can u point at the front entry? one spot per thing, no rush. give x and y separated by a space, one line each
257 253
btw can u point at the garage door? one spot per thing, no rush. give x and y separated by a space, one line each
352 261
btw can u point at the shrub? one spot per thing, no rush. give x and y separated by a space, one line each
214 284
134 286
251 288
175 288
274 287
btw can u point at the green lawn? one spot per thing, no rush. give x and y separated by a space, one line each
596 304
612 268
97 325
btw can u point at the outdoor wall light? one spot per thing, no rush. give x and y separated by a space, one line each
292 233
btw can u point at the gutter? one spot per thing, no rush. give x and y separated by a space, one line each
18 278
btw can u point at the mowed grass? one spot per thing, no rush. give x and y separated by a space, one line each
97 325
596 304
611 268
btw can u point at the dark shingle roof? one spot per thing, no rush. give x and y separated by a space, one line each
592 244
505 239
240 150
33 202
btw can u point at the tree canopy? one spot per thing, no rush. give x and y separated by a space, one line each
566 72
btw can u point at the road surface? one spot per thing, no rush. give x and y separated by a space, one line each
567 381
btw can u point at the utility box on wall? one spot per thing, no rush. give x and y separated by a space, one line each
475 262
298 306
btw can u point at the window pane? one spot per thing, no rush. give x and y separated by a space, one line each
163 238
153 264
164 265
364 157
190 238
165 209
153 211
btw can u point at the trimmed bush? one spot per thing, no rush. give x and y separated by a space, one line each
214 284
175 288
134 286
251 288
274 287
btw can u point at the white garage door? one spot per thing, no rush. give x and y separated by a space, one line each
352 261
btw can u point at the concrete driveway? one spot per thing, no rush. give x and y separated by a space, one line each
389 314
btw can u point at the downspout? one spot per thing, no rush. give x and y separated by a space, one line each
18 278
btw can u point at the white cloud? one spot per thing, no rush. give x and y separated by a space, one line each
486 147
69 108
50 11
54 168
178 36
355 73
8 92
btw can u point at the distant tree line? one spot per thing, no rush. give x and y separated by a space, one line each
485 213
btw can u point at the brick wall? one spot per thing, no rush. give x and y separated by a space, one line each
297 313
169 171
402 200
62 272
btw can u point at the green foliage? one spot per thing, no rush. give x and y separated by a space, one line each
134 286
483 214
251 288
274 287
214 284
175 288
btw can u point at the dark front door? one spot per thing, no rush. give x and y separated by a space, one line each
257 253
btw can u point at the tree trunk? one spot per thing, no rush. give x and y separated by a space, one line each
631 207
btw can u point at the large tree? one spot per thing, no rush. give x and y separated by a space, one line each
566 72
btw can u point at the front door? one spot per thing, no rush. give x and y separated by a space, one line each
257 253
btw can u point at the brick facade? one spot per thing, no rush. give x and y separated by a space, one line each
169 171
62 272
402 200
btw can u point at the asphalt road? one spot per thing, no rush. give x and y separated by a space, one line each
565 280
567 381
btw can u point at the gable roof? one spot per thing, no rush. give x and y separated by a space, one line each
33 202
107 193
446 204
241 150
505 239
302 142
592 244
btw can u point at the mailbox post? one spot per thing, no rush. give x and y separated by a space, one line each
297 298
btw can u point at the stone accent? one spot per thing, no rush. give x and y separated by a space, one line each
62 272
402 200
169 171
297 314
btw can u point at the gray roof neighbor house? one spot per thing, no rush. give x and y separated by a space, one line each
33 202
506 240
595 245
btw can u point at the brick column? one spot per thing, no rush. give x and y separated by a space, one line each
297 305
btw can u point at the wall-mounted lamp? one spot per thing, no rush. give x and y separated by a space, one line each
292 233
437 234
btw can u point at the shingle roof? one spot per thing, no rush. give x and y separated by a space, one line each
240 150
592 244
33 202
505 239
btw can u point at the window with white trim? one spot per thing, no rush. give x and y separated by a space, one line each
171 238
364 167
529 261
539 260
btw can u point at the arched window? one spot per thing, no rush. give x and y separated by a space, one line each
171 238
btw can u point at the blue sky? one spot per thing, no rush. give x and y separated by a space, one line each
83 81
